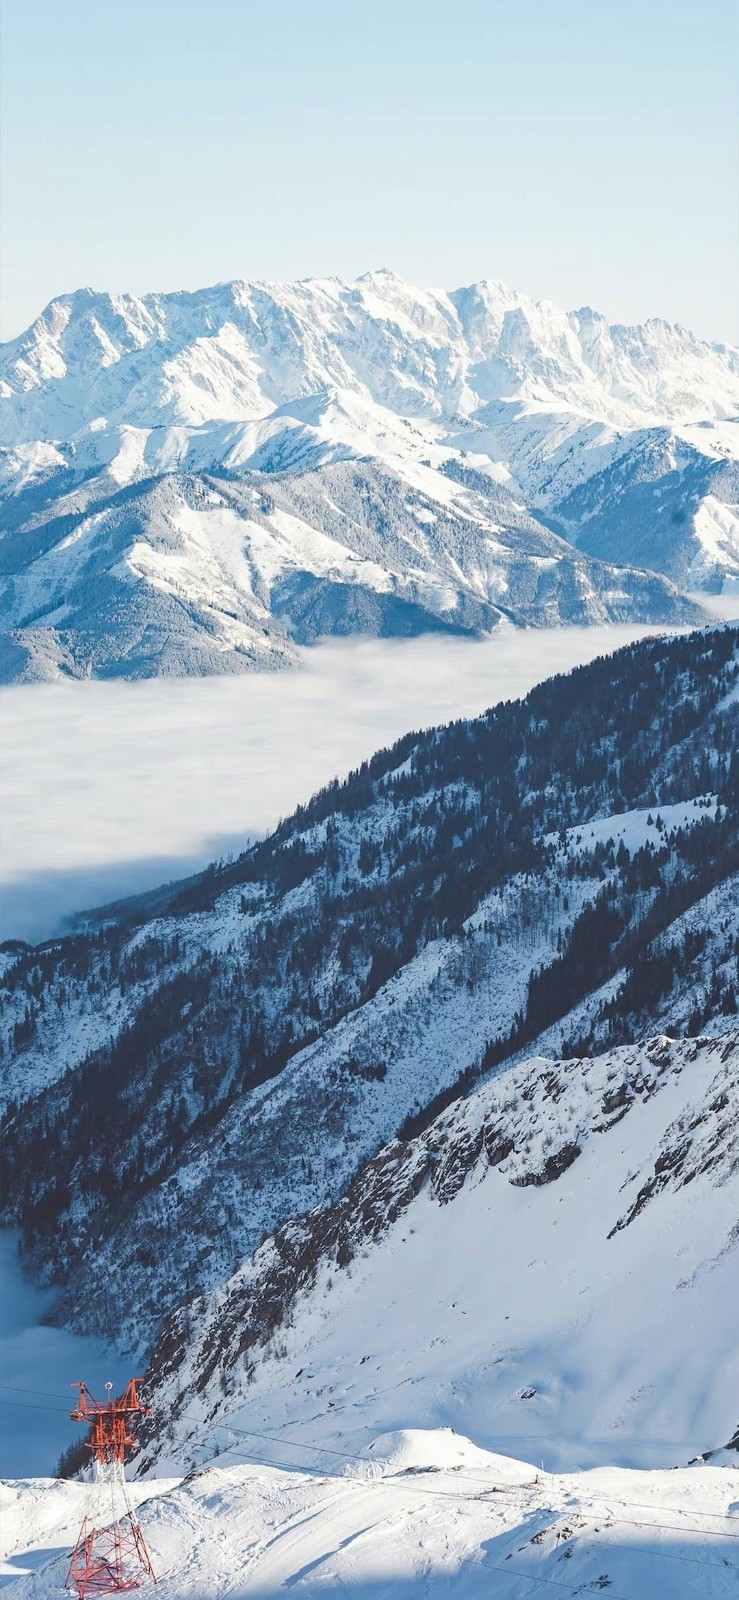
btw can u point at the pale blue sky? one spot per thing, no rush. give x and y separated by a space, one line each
584 150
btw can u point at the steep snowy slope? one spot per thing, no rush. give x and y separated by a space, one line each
552 1265
118 414
557 877
670 501
427 1514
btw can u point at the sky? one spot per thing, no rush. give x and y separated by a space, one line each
583 150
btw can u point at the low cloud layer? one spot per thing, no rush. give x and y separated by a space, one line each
110 788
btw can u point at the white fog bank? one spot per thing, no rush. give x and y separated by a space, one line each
39 1365
110 788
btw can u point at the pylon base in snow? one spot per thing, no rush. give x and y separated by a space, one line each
110 1560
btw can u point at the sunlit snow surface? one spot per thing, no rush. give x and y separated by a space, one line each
585 1321
428 1515
110 788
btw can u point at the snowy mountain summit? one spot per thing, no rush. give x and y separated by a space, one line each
197 482
239 351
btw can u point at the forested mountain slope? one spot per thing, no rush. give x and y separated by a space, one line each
557 876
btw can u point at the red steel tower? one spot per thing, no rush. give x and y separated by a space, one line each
110 1558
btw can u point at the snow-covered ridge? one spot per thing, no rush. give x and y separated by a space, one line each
239 350
441 1517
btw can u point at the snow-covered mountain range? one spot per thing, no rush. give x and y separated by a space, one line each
196 482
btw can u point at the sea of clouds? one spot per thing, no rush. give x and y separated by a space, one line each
110 788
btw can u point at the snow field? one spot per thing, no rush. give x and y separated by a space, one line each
444 1518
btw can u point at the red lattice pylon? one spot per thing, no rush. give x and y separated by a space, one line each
110 1558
